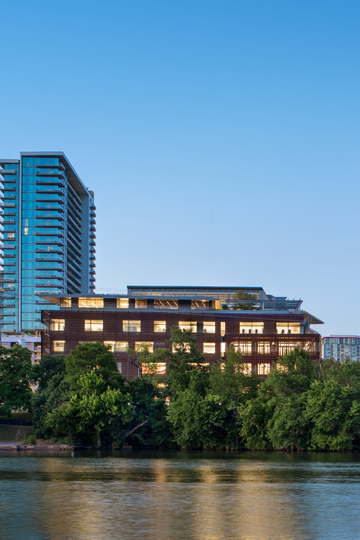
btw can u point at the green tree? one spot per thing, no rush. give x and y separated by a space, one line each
198 421
229 380
90 409
276 417
241 296
15 372
186 363
334 410
92 357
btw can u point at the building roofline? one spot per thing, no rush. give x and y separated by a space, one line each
342 336
63 159
202 287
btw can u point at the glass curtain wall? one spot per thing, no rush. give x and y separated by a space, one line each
43 232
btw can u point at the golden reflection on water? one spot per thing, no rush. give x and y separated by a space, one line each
176 497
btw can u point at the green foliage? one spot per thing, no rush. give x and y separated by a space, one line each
241 296
15 374
198 421
187 365
83 398
91 357
276 418
334 410
235 386
89 410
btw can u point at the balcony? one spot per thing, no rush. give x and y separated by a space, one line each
4 172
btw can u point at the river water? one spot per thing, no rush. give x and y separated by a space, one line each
173 496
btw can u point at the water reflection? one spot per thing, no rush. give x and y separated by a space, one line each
179 496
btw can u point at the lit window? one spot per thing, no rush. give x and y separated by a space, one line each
65 302
117 346
139 345
263 369
288 328
59 346
91 302
159 326
188 325
199 304
166 304
285 347
131 326
140 304
223 349
251 328
209 327
209 348
119 366
248 369
177 347
243 346
223 328
157 367
122 303
263 347
58 325
94 326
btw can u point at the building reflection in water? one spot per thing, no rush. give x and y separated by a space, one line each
179 496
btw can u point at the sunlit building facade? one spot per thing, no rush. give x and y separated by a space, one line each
261 326
340 348
48 236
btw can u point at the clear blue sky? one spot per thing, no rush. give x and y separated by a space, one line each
221 138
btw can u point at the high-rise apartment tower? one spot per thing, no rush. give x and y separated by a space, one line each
48 229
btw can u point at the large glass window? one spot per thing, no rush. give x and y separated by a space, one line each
58 346
188 325
58 325
209 348
287 328
222 349
200 304
91 302
166 304
243 346
223 328
140 304
263 369
122 303
117 346
158 367
94 325
139 345
287 346
131 326
159 326
263 347
209 327
251 328
65 302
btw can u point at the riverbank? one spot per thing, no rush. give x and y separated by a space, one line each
16 447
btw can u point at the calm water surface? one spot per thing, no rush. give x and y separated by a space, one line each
173 496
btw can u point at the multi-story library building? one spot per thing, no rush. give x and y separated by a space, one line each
261 326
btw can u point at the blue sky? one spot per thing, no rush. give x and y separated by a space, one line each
221 138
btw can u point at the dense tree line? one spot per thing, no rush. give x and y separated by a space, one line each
84 399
